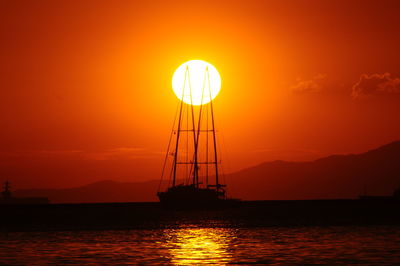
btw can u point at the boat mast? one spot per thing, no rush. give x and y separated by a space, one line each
196 133
195 140
199 130
179 130
214 136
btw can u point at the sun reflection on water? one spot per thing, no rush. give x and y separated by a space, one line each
191 246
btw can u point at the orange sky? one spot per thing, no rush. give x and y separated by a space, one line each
86 85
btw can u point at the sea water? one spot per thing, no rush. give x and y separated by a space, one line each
191 245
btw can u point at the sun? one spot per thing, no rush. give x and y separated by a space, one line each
196 82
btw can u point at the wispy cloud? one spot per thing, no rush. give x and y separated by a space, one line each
117 153
313 85
121 153
376 84
289 151
22 153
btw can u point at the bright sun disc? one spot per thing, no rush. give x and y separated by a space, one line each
193 85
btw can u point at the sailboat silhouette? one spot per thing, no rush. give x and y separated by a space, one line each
194 177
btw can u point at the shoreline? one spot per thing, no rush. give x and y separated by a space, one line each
151 215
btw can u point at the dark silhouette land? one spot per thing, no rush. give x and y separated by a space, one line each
116 216
341 176
376 172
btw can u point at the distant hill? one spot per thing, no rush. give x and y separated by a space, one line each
377 172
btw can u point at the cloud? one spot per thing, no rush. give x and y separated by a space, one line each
285 152
376 84
313 85
123 153
117 154
41 153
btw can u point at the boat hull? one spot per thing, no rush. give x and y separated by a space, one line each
192 197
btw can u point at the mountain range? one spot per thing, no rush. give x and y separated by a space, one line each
375 172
